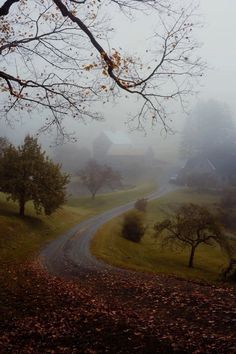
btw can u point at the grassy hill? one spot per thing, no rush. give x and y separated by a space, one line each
21 238
149 255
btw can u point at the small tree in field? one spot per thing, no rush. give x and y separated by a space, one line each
191 226
27 174
95 176
132 227
141 205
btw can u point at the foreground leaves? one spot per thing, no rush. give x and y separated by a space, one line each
119 312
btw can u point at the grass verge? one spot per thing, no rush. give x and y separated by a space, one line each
107 201
21 238
149 255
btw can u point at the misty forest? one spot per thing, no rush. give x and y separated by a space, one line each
117 176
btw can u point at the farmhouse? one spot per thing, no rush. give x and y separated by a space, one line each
117 150
218 164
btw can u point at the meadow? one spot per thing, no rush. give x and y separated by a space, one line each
149 255
22 238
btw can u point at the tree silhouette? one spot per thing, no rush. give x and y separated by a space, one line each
191 226
64 64
95 176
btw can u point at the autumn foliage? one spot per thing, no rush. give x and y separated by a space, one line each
64 65
130 313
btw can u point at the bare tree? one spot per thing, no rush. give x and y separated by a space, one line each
95 176
192 226
55 56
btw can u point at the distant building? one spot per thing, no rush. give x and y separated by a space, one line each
106 140
116 149
219 164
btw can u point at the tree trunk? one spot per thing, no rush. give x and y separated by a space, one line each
93 195
190 263
22 207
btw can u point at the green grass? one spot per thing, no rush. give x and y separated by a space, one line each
149 255
22 238
107 201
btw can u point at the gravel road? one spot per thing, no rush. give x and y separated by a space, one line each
69 255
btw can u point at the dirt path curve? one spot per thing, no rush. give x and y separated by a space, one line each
110 310
69 255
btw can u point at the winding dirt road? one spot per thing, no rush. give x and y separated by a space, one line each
103 309
69 255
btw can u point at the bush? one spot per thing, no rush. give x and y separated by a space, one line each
133 228
141 205
230 272
228 208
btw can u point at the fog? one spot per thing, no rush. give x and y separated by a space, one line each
117 176
218 49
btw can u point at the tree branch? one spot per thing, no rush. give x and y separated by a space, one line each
4 9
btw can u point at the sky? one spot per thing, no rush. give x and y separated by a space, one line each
218 50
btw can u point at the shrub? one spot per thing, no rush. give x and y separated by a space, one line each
141 205
133 228
228 208
230 272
